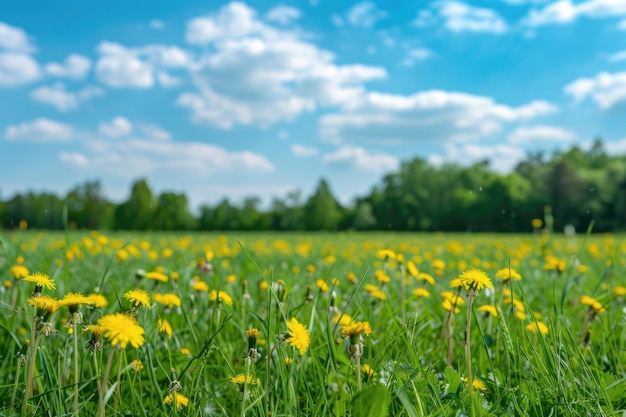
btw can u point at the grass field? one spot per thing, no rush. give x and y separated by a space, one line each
312 325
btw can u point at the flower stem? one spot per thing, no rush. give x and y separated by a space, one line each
17 380
30 371
357 363
245 387
105 382
75 404
468 351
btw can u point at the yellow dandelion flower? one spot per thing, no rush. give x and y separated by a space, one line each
453 298
157 276
136 365
199 285
310 268
489 309
18 271
438 264
475 279
168 299
185 351
386 254
619 291
322 285
477 384
351 277
367 370
165 327
288 362
298 335
44 302
506 274
537 223
7 283
98 300
370 288
263 285
379 295
231 278
177 399
383 278
73 300
121 330
41 280
241 379
221 296
421 292
423 276
342 319
355 329
138 298
537 327
410 266
95 329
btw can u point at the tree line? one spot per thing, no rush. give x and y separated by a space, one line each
577 186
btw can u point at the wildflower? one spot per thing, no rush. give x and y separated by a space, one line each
368 371
355 329
177 399
410 266
536 223
438 264
198 285
41 280
488 309
342 319
18 271
288 362
594 304
73 301
221 296
475 279
298 335
382 277
165 327
98 300
477 384
252 336
421 292
379 295
323 286
351 277
136 365
157 276
45 305
240 380
537 327
185 351
263 285
423 276
386 254
619 291
168 299
138 298
121 329
94 343
554 264
508 273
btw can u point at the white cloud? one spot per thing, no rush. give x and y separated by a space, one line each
119 66
503 158
618 56
74 158
414 55
57 96
152 131
523 135
14 39
283 14
118 126
40 130
564 11
461 17
17 68
425 17
75 66
137 157
360 158
622 24
605 89
365 14
303 151
157 24
616 147
255 74
433 115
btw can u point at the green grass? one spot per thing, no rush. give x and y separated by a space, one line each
565 372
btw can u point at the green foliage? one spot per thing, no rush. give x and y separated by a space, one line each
372 402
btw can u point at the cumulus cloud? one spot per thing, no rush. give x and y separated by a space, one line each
152 131
75 66
118 126
606 89
40 130
256 74
523 135
618 56
57 96
414 55
365 14
564 12
616 147
362 159
122 67
622 24
17 68
303 151
15 39
135 157
433 115
283 14
460 17
503 158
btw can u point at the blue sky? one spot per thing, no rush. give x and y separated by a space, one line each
235 99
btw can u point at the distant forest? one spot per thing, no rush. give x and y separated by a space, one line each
575 187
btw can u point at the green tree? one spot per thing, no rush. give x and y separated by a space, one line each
88 207
136 212
172 213
322 211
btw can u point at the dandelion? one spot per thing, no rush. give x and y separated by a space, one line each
121 330
241 379
252 336
421 292
342 319
177 399
221 297
97 300
508 273
423 276
185 351
367 371
165 327
475 279
537 327
136 365
410 266
199 285
18 271
322 285
138 298
386 254
354 332
41 280
156 276
488 309
298 336
96 331
168 299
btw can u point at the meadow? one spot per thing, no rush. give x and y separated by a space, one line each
318 324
